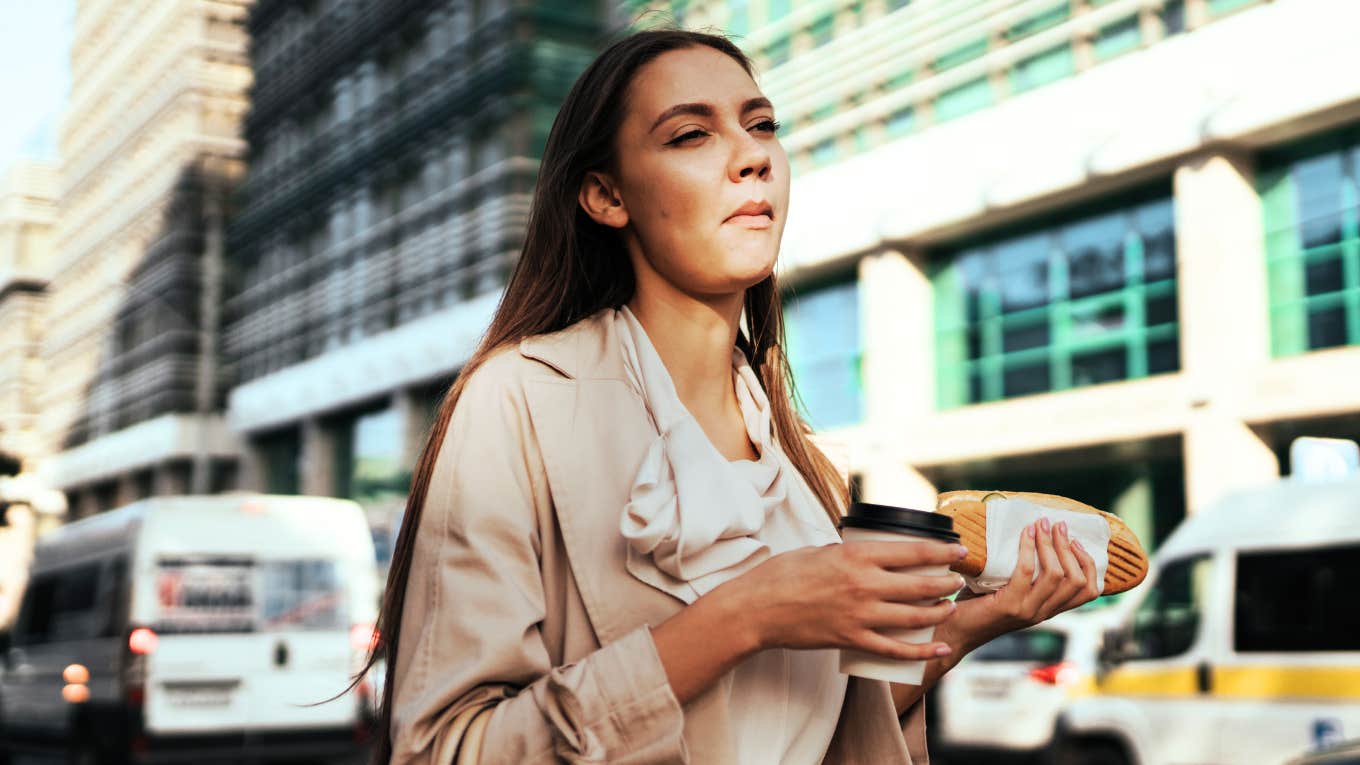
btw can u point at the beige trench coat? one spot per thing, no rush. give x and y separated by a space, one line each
518 595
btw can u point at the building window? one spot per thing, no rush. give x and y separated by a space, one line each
901 122
1038 22
1173 17
824 152
825 352
1118 38
279 454
1049 66
738 17
778 52
1311 200
964 99
778 9
1081 302
368 452
1220 7
961 55
822 30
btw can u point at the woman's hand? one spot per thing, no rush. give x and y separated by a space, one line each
840 595
1066 579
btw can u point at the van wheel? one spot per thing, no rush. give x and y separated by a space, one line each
1090 752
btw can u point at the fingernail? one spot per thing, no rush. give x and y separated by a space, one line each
960 551
1076 545
1044 524
1029 531
942 650
1062 528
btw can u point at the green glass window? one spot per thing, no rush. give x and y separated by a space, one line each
738 17
900 80
961 55
1219 7
824 152
861 137
824 112
1081 301
778 52
825 352
1035 71
901 122
1312 220
778 9
964 99
1038 22
1118 38
821 30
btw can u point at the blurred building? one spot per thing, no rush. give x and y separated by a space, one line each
28 214
149 148
394 148
1109 249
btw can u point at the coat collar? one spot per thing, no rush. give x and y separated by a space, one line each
586 350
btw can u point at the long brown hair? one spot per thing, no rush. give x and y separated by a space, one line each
571 267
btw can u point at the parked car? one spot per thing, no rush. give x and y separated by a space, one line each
1243 646
1005 697
193 627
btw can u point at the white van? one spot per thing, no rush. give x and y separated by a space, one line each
1005 697
1243 645
198 627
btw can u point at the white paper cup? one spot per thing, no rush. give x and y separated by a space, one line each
881 523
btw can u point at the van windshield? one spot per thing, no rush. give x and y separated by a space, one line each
223 594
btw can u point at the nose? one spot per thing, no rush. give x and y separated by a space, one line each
750 158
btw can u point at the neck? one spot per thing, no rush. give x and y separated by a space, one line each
694 338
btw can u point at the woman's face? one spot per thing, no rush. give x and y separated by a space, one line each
701 183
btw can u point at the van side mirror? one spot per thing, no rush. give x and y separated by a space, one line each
1116 647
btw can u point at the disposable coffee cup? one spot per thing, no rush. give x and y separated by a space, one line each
883 523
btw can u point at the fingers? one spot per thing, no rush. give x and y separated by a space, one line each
882 645
1051 573
904 587
1091 587
904 616
907 553
1073 578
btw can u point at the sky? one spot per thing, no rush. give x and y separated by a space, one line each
35 40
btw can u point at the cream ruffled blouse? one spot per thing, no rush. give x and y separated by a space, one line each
695 519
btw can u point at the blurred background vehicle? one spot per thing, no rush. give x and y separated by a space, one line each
1243 646
195 627
1005 697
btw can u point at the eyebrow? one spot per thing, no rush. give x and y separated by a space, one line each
704 110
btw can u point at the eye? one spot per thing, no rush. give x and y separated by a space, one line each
769 126
686 137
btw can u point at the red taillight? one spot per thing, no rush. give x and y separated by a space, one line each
1063 673
142 641
363 638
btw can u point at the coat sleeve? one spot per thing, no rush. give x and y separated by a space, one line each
470 628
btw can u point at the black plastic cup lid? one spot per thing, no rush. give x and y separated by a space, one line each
904 520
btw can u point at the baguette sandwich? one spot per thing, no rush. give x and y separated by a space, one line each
1128 563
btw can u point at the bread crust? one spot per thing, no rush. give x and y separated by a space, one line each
1128 563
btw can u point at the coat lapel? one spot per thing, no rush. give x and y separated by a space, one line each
593 432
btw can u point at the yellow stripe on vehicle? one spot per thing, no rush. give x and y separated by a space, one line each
1266 682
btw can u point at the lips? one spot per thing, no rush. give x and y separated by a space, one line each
755 213
754 207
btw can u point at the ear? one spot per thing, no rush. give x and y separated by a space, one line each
600 199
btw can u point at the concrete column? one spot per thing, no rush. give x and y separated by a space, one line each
127 490
415 423
896 323
1224 322
318 459
254 472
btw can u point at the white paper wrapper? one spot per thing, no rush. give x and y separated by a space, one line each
1007 518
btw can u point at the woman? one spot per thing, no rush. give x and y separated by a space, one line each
620 542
